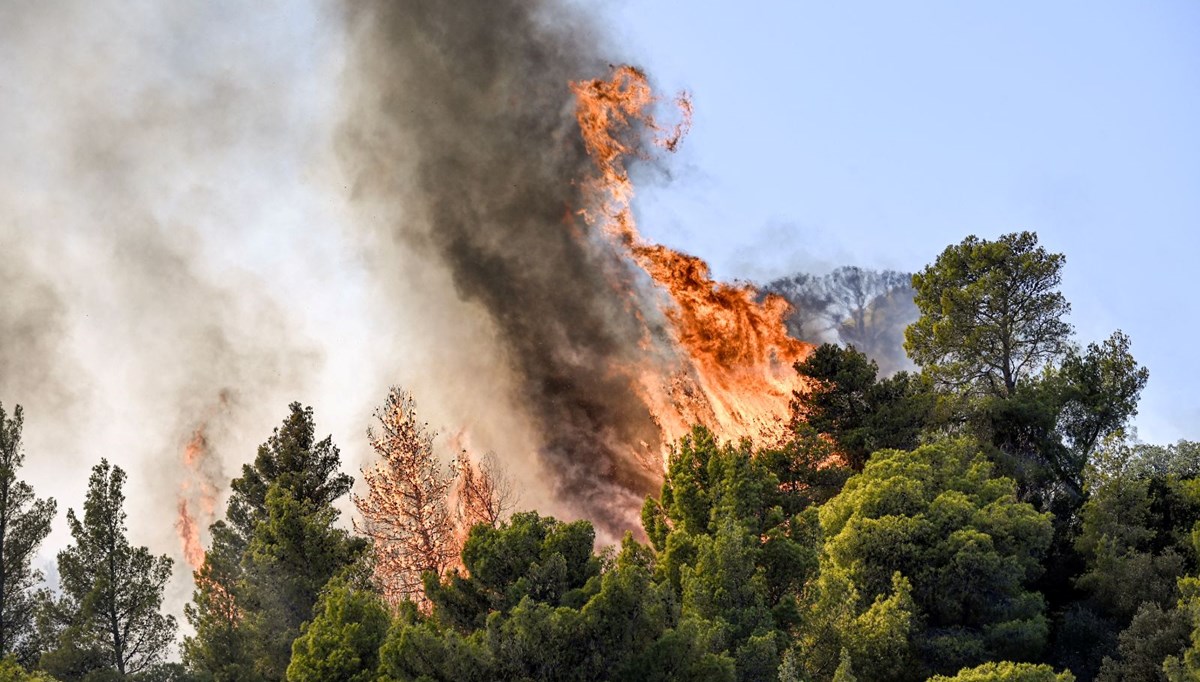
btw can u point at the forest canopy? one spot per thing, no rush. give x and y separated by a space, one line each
979 512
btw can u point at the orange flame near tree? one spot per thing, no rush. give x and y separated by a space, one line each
198 498
734 370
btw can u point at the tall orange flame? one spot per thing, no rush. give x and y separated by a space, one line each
197 496
735 356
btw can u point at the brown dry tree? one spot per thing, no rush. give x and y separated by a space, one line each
406 510
484 493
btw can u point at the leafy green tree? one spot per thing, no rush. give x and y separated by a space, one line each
737 539
1135 536
1185 667
846 400
875 634
1057 423
534 604
938 516
1102 387
1118 457
24 524
1008 672
530 556
807 467
293 459
220 649
342 642
991 314
112 591
845 669
1082 637
1153 636
292 555
725 582
269 561
11 671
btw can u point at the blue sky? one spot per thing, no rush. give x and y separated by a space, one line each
878 133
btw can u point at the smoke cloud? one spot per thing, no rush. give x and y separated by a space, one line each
154 251
210 209
462 149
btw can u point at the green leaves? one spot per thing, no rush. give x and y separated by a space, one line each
937 516
991 314
860 412
1008 672
267 566
342 642
24 524
112 591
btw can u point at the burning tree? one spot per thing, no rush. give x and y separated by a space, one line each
484 493
406 512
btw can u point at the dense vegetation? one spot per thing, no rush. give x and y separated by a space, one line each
985 517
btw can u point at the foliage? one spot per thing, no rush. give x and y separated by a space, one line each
220 647
875 634
291 556
991 314
939 517
1008 672
267 566
1153 636
111 591
861 413
1101 391
11 671
807 467
845 669
535 606
530 556
342 642
1135 536
1118 457
24 524
292 459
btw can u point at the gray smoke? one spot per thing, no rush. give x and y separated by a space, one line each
462 150
209 209
152 259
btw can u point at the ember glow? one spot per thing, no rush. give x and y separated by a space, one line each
734 354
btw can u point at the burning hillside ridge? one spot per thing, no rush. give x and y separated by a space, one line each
480 159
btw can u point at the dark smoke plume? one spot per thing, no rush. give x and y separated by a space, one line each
462 147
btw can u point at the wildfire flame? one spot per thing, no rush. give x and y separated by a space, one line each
734 355
197 497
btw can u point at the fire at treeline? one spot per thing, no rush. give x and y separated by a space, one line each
858 475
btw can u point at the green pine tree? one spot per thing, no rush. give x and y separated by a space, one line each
342 642
24 524
271 557
111 591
